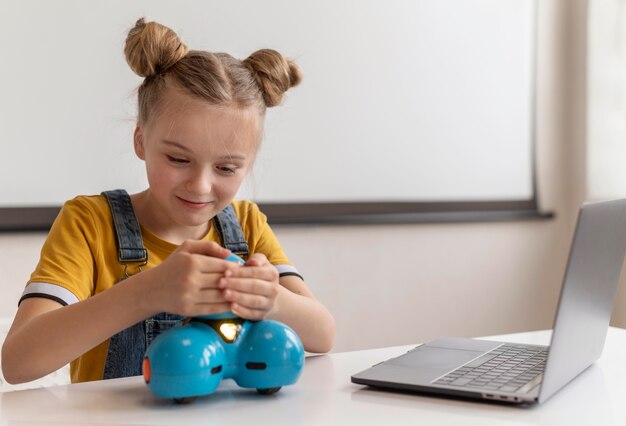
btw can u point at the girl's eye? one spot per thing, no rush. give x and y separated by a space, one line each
227 170
177 160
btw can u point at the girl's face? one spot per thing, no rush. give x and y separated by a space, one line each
197 155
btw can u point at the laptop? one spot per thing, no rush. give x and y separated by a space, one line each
519 373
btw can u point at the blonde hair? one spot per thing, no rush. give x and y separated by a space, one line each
155 52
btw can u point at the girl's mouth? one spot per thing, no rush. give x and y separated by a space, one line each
193 204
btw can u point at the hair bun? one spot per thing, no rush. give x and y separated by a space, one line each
274 74
152 48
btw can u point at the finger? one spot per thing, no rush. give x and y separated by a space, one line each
209 281
267 272
207 248
250 301
211 295
203 303
247 313
212 265
248 285
202 297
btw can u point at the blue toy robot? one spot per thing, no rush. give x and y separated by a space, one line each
192 358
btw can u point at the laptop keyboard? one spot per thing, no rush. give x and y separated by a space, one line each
508 368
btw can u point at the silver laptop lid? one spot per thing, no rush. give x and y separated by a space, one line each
588 292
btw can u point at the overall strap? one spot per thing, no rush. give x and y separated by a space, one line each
130 247
228 228
127 348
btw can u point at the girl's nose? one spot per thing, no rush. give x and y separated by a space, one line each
200 182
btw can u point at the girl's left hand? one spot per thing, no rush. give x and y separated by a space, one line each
253 289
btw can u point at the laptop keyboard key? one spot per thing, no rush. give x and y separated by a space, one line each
481 360
462 381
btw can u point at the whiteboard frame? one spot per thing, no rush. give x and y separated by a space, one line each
28 219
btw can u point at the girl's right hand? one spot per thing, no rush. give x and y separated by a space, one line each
186 283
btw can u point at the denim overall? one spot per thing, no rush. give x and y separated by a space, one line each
127 348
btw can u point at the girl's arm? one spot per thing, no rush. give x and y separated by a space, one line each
305 314
46 335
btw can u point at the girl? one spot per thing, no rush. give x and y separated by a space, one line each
116 270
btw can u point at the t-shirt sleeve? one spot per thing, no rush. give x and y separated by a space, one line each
66 270
262 239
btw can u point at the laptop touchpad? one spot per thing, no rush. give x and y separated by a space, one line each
435 358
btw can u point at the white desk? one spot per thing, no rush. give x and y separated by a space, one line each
325 396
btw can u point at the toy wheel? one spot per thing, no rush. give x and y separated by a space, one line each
185 400
268 391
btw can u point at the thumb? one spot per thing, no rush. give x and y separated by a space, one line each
207 248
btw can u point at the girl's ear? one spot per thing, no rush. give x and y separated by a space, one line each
138 142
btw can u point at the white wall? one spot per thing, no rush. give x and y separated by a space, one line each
400 284
606 99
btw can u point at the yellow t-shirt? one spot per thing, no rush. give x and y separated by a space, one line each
79 260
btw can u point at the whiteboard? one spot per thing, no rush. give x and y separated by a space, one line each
408 100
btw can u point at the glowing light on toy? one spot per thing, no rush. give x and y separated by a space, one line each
229 331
